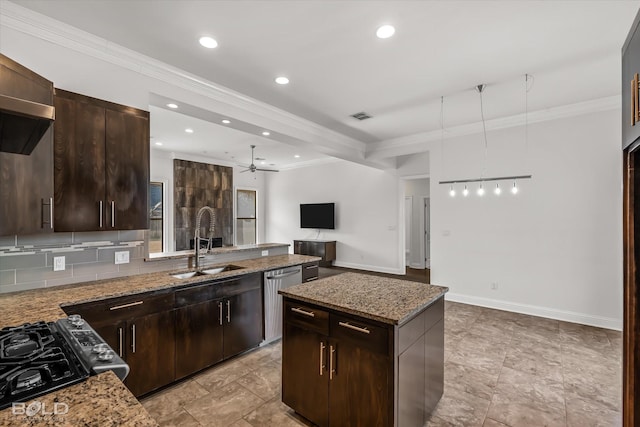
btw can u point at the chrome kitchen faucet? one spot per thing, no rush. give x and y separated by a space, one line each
196 237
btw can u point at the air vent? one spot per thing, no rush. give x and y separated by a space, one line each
361 116
260 158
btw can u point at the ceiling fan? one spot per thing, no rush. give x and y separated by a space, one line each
252 168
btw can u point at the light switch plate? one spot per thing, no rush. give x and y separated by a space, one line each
265 253
122 257
58 263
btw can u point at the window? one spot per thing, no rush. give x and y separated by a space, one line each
246 218
156 224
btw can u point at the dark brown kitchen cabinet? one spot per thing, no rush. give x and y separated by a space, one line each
218 320
325 249
101 158
141 329
337 370
310 271
199 337
26 181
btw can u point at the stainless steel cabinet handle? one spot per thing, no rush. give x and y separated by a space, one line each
311 279
100 203
322 366
120 342
309 267
50 222
228 311
220 308
113 214
332 352
306 313
286 274
133 338
355 328
131 304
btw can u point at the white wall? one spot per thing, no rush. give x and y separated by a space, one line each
369 205
162 170
556 248
417 189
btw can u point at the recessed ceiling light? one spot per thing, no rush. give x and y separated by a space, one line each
282 80
385 31
263 163
158 143
297 156
172 105
226 122
208 42
265 133
188 130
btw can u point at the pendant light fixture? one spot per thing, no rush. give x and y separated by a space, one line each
483 178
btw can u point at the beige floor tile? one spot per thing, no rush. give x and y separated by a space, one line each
274 413
180 418
459 408
488 422
233 403
545 362
264 382
470 380
217 377
589 413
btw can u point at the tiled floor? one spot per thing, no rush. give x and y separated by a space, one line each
501 369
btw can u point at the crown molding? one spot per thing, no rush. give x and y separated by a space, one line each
418 142
48 29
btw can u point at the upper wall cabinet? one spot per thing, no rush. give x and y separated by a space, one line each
26 184
101 158
631 86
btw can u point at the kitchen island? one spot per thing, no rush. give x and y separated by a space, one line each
363 350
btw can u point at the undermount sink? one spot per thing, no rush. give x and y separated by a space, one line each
206 272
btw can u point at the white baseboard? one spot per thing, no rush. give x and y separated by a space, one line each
550 313
368 267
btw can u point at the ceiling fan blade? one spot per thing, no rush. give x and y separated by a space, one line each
267 170
246 170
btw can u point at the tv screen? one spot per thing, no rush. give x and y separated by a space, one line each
317 215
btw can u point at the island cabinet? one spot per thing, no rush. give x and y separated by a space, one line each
141 329
101 162
340 369
325 249
216 321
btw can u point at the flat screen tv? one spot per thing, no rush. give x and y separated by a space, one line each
317 215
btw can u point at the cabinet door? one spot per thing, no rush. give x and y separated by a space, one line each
305 376
27 212
127 170
79 164
243 322
359 391
150 352
198 336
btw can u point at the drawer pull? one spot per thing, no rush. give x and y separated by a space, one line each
300 311
355 328
311 279
120 342
131 304
310 267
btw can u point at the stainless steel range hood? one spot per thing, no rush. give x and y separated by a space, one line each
26 107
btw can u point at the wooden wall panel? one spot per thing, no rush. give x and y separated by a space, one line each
197 185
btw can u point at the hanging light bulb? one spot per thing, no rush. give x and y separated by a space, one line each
452 191
497 191
480 191
514 189
465 192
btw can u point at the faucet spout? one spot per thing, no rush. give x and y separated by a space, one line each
196 237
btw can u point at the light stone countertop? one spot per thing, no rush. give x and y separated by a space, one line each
103 399
391 301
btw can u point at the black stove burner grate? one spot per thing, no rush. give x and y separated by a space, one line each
35 360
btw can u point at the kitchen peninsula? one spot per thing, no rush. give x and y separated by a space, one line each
363 350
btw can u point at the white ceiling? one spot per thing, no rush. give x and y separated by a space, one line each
338 67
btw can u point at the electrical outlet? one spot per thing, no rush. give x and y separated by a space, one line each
494 286
265 253
58 263
122 257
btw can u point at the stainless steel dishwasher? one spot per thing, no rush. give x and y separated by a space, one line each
275 280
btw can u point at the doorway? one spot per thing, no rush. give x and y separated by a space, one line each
417 220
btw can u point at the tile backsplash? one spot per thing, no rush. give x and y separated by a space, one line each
26 262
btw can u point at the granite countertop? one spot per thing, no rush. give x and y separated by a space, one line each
103 399
215 251
386 300
44 304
